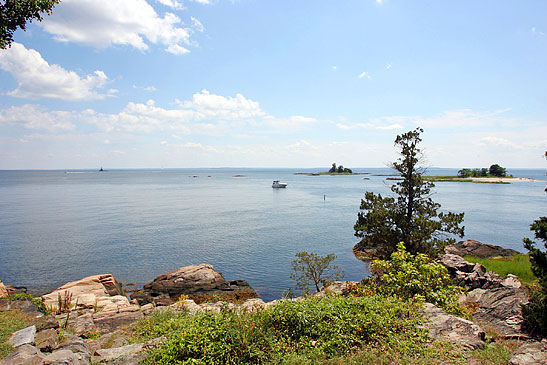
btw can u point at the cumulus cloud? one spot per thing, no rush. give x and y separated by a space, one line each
172 4
197 25
103 23
205 113
33 117
38 79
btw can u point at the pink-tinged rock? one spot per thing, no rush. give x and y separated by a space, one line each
3 290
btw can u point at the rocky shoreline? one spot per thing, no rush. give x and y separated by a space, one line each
92 315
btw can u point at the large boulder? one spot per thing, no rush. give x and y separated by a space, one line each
88 292
199 282
478 249
447 327
500 308
24 355
530 353
3 290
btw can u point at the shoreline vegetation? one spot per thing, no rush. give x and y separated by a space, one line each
475 180
331 173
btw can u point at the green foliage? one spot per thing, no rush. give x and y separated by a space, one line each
10 322
333 168
312 269
473 173
412 217
14 14
497 170
417 276
518 265
294 331
339 170
38 302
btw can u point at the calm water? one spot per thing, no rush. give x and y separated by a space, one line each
137 224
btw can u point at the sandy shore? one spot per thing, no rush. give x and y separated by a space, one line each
501 179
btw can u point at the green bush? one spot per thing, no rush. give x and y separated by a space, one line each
316 328
417 276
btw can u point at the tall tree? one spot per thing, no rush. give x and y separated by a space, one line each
535 312
412 217
14 14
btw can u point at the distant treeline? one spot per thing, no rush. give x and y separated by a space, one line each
340 169
494 171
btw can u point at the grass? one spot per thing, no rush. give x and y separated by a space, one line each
518 265
10 322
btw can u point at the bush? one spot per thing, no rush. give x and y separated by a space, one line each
315 328
417 276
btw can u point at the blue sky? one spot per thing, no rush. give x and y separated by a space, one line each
219 83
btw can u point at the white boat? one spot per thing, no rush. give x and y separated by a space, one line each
277 184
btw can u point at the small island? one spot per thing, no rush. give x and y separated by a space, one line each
334 170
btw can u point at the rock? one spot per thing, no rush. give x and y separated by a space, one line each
24 355
200 282
478 249
338 287
252 305
87 292
501 308
46 322
22 337
446 327
76 345
67 357
530 353
470 275
83 324
511 281
3 290
46 340
117 352
12 290
26 306
106 322
5 305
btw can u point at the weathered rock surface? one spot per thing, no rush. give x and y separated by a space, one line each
478 249
24 355
3 290
530 353
500 308
22 337
117 352
446 327
46 340
89 292
199 282
12 290
470 275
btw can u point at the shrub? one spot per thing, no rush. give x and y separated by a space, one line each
417 276
312 269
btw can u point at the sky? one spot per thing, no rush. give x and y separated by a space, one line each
256 83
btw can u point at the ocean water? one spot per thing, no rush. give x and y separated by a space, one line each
58 226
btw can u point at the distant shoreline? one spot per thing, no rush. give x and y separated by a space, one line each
331 173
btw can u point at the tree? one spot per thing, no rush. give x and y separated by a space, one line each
535 313
14 14
340 169
310 268
333 168
412 217
497 170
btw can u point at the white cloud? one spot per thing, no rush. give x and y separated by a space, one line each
334 68
388 66
372 126
34 117
364 75
461 118
38 79
103 23
197 25
498 142
106 141
203 1
172 4
145 88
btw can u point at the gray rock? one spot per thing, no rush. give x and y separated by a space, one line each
22 337
118 352
530 353
446 327
24 355
76 345
511 281
501 308
46 340
67 357
197 281
106 322
470 275
478 249
83 324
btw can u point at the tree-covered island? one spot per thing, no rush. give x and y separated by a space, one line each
334 170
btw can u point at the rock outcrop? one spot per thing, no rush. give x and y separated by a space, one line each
530 353
90 292
199 282
478 249
447 327
470 275
500 308
3 290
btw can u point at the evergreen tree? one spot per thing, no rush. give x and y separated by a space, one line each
412 217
